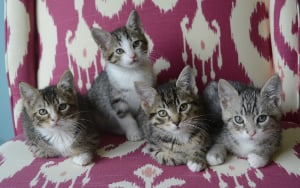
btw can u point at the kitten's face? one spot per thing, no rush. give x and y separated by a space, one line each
54 106
172 107
126 46
251 119
251 114
173 110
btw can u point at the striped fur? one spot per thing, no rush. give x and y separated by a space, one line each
56 121
251 120
175 130
125 52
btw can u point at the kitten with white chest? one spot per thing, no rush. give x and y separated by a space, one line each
125 51
251 119
175 127
56 121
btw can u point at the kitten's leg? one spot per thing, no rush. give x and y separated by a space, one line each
197 162
41 149
83 159
257 161
126 120
164 157
216 155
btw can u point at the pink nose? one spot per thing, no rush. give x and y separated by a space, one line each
133 56
251 133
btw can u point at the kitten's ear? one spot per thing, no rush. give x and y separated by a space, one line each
187 80
101 37
66 83
28 93
146 93
228 95
133 22
272 90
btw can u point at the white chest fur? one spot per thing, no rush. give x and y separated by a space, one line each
245 147
60 137
124 78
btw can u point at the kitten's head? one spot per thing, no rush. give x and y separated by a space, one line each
52 106
126 46
251 113
173 107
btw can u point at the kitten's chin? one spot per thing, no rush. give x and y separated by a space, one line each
132 64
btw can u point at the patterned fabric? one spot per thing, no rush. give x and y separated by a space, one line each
123 164
234 39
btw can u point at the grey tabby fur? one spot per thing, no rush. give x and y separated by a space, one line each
125 52
251 119
175 129
56 121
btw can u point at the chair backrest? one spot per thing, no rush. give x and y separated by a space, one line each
233 39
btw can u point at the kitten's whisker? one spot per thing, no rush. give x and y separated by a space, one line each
76 113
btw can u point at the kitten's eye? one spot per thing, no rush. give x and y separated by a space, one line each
238 120
162 113
262 118
120 51
62 107
183 107
43 112
136 43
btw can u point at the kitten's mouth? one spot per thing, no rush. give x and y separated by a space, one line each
54 125
177 129
135 61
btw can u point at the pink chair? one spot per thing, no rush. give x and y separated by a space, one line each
233 39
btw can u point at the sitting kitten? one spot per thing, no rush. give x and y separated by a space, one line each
175 131
115 100
251 119
56 121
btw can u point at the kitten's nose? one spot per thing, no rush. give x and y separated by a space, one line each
176 121
133 56
251 133
54 119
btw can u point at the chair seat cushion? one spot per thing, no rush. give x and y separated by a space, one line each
121 163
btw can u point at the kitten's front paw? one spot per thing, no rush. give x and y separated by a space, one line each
41 153
83 159
134 135
167 158
257 161
215 158
37 152
195 167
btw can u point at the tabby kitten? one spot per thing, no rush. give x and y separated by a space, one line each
56 121
115 100
175 131
251 119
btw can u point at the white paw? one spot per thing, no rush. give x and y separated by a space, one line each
129 125
215 158
134 135
83 159
147 149
195 167
257 161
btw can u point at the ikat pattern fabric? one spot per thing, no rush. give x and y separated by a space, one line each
232 39
122 163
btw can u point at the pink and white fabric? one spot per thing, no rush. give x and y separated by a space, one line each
232 39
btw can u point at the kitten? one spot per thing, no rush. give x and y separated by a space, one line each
115 100
175 131
56 121
251 119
